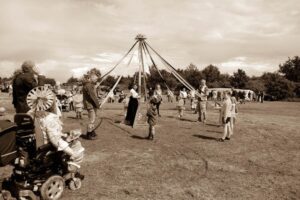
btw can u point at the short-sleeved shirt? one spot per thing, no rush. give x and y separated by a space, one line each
134 94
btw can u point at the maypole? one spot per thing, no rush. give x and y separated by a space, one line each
142 76
144 50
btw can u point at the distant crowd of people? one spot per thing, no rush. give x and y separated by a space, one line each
86 97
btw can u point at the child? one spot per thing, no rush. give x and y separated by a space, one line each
226 112
180 106
78 104
151 114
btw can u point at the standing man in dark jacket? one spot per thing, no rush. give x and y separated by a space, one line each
22 84
91 103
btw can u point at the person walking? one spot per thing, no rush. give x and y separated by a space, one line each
91 104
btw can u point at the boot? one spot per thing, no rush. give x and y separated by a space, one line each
151 136
90 135
94 134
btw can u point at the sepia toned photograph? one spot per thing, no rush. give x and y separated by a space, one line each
149 100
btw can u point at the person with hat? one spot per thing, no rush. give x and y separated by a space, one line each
91 104
23 82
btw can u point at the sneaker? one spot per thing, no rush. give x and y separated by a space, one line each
221 140
227 138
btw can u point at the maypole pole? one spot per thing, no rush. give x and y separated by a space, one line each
140 118
140 39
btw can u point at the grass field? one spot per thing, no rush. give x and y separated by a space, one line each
262 161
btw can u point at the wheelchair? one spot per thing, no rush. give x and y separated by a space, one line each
38 172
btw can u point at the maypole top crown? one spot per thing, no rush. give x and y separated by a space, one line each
140 37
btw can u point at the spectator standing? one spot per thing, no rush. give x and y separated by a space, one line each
170 96
23 82
180 106
158 95
91 103
151 115
202 101
78 104
133 105
226 112
183 94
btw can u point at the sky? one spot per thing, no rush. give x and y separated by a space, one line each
67 37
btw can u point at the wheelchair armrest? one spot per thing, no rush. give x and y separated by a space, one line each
46 147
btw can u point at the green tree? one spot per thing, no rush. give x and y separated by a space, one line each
193 75
109 81
155 78
291 69
72 80
239 79
278 86
211 73
256 85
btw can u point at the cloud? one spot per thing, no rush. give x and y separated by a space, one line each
66 35
244 63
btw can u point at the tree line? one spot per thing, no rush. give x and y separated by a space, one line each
281 84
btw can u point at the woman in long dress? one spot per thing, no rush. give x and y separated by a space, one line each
132 106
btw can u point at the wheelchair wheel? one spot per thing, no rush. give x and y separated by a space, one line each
53 188
75 184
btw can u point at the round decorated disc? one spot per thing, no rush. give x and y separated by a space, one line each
40 98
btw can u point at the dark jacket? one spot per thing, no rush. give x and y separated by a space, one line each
151 114
90 99
22 84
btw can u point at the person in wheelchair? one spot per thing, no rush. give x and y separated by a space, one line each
38 169
52 133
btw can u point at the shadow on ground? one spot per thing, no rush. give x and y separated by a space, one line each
204 137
